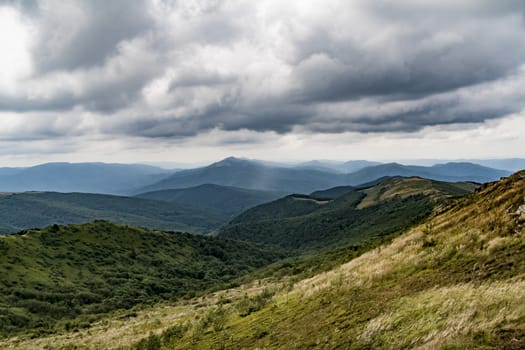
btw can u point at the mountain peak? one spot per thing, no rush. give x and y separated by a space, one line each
229 161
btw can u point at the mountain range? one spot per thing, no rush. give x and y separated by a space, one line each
59 275
255 175
250 175
135 179
451 172
80 177
198 200
333 166
199 209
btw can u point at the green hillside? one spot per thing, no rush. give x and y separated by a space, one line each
227 200
303 222
67 276
289 206
40 209
406 187
457 281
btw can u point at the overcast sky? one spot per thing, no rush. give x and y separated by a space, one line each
195 81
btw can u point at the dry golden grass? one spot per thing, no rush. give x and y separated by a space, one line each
403 188
436 317
316 201
121 332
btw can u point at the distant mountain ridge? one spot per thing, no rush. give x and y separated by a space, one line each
40 209
451 172
510 164
133 179
340 167
332 193
255 175
225 199
80 177
250 175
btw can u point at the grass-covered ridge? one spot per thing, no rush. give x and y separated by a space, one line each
67 276
406 187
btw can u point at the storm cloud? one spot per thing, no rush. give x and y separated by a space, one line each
177 69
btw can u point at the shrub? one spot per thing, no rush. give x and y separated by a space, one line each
152 342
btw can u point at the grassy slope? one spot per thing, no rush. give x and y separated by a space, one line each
405 187
77 272
40 209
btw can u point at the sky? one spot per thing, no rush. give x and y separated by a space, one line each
165 81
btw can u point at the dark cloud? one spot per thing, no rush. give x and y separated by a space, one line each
21 104
176 69
404 10
436 55
241 140
410 121
198 77
83 34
